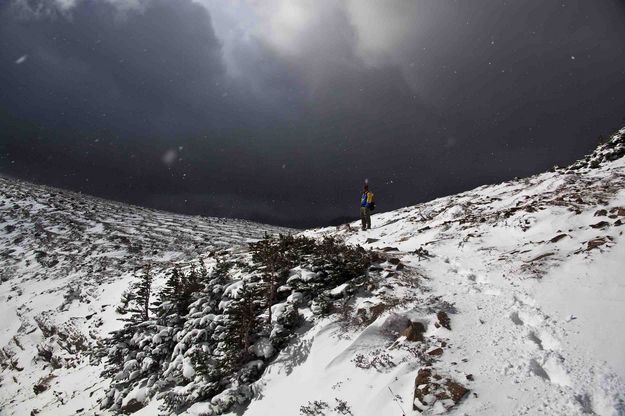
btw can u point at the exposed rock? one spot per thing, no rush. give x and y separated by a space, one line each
414 332
40 388
431 388
422 253
456 390
387 249
423 377
558 238
369 312
600 224
43 384
618 211
613 149
437 352
443 319
394 260
597 242
542 256
132 406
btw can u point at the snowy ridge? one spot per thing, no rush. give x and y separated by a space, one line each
504 300
65 260
531 274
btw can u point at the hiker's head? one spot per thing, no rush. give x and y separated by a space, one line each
366 188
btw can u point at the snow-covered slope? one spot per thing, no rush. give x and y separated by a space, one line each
65 260
531 274
505 300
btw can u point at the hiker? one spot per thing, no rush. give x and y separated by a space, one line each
366 206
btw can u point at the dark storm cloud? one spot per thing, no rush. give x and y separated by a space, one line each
277 110
143 71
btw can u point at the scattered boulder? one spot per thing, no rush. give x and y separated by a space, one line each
594 243
558 238
45 259
132 406
414 332
431 388
600 224
369 312
387 249
456 390
394 261
443 320
617 211
422 253
39 388
43 384
437 352
321 305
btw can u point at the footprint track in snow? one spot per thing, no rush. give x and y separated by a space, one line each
545 361
542 358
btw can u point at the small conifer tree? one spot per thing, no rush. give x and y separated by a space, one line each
141 297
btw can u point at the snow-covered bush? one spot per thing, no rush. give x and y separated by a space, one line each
208 335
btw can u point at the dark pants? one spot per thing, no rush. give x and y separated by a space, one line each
365 217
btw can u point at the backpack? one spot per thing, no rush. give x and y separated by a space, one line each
371 205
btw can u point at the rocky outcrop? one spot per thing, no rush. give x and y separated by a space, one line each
433 390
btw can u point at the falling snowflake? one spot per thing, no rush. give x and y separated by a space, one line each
169 157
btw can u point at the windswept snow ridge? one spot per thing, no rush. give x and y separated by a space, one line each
533 272
530 272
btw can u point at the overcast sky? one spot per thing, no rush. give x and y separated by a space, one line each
276 110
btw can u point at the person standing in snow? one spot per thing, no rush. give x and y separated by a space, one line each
366 206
